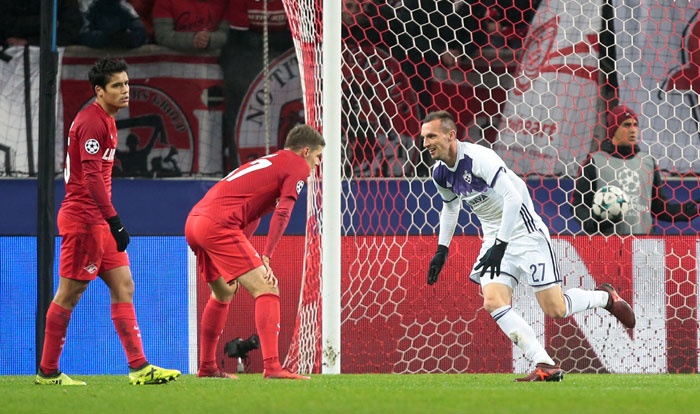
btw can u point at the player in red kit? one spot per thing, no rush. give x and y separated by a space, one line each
218 230
94 239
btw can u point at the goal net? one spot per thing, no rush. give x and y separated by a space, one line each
534 80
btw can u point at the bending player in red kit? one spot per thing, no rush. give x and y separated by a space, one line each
218 230
94 239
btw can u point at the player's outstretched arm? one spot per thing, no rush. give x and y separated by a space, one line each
448 221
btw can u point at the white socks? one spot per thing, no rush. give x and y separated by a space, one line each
578 300
521 334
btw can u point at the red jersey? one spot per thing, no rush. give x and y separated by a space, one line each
252 190
92 143
191 15
249 15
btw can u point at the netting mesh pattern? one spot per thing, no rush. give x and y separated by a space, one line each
534 80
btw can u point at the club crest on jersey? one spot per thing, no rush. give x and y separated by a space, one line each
92 146
300 186
468 177
91 268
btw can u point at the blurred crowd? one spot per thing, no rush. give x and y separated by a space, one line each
411 37
448 30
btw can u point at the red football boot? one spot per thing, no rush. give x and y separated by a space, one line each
283 374
544 372
215 374
618 307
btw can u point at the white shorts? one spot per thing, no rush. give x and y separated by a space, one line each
527 257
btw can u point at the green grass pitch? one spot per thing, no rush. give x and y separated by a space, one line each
402 394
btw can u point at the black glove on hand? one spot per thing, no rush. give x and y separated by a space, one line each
492 259
437 263
121 236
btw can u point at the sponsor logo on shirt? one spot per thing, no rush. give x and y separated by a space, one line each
300 185
92 146
477 200
109 154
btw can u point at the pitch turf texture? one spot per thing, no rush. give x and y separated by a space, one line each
403 394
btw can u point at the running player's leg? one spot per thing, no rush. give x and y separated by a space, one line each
558 304
497 301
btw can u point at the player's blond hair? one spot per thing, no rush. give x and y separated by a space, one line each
302 136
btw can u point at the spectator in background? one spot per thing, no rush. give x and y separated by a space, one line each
620 162
20 22
242 59
190 25
112 23
144 8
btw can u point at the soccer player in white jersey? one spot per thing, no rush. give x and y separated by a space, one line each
516 244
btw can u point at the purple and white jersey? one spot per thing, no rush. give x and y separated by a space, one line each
472 179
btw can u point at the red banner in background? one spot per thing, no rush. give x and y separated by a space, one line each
549 117
286 109
172 126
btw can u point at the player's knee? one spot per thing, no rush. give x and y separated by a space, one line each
555 310
493 303
266 289
224 297
126 288
68 295
224 292
68 301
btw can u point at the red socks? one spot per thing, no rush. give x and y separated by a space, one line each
124 319
57 319
267 322
213 320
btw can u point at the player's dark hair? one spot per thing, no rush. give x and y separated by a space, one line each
103 71
446 120
302 136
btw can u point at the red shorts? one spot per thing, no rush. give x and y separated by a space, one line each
87 250
221 251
